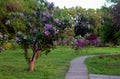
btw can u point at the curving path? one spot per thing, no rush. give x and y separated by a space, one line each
78 70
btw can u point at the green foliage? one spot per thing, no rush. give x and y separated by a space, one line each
15 6
7 46
9 25
81 25
16 25
93 16
61 14
117 36
11 45
109 31
106 31
115 11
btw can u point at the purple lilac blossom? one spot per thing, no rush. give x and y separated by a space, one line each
47 26
95 42
35 30
54 9
43 18
55 43
92 37
46 13
54 29
47 33
56 20
7 22
81 43
19 33
1 36
25 37
57 31
50 4
5 36
17 39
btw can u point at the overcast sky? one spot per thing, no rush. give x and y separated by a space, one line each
83 3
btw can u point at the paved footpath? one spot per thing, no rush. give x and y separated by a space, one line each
78 70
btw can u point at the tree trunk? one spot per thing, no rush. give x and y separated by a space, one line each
31 66
32 62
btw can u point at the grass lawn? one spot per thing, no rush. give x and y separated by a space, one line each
52 66
109 65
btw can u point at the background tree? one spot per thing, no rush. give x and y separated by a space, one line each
81 26
115 11
108 30
94 18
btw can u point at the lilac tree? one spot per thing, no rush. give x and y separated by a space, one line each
42 31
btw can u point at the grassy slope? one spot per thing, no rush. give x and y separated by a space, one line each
109 65
52 66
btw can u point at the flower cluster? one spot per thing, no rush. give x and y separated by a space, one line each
78 43
3 36
48 26
93 39
56 20
50 30
49 5
46 14
64 23
21 38
81 43
3 39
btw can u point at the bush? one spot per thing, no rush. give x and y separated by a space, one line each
117 37
15 45
11 46
7 46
